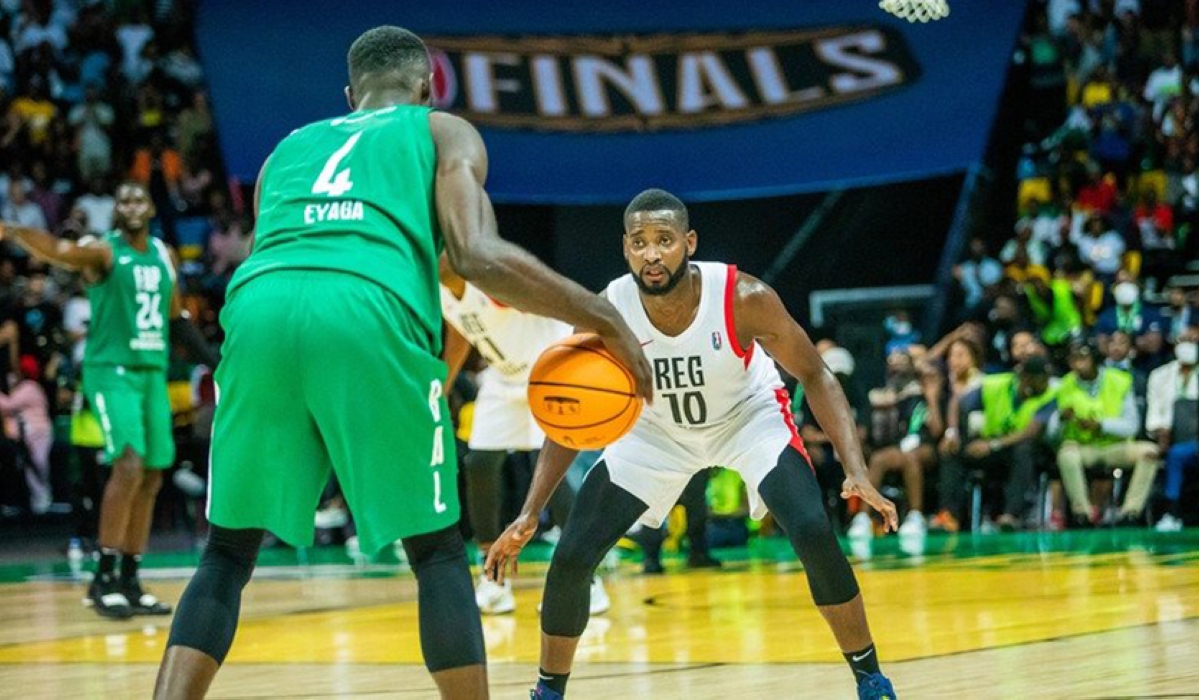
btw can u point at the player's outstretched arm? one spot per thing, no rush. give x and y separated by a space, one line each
552 463
506 271
760 315
94 257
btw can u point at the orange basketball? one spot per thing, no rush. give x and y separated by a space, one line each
582 396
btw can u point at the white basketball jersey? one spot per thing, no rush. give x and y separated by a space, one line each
702 376
715 403
509 339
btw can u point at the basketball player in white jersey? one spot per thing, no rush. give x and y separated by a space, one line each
510 340
718 400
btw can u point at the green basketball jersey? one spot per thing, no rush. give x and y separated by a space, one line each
131 307
355 195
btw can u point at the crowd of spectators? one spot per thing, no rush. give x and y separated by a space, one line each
94 93
1072 355
1064 395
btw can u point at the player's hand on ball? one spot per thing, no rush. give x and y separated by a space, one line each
621 342
505 551
863 489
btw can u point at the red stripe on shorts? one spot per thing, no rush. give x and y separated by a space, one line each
784 400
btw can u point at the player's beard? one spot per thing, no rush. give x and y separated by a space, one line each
672 279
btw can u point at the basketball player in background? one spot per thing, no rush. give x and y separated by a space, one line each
511 341
718 400
333 334
131 286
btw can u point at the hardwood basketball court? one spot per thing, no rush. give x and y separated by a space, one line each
1104 614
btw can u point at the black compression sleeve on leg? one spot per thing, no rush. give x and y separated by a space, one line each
484 492
560 503
601 514
451 633
792 494
207 616
695 501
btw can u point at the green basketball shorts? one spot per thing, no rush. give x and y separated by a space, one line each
134 412
325 371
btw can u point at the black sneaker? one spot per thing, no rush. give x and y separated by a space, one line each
105 596
141 602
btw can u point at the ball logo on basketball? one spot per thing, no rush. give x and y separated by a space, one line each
561 406
582 396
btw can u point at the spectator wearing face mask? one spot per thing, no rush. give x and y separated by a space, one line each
1139 320
1173 419
901 334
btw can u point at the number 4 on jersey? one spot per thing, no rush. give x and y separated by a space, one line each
329 183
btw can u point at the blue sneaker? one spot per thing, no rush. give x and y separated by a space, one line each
876 686
543 693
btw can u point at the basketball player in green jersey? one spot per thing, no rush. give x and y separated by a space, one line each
131 278
331 358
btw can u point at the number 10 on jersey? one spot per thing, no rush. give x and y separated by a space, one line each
688 408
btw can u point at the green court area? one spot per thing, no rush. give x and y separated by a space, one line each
1085 548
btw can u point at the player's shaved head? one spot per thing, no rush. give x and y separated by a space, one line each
388 56
658 200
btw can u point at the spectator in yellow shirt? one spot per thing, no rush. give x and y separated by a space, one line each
34 113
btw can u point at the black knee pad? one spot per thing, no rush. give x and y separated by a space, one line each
792 494
434 547
601 514
564 610
207 616
451 632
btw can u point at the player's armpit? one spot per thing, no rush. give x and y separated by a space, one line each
760 315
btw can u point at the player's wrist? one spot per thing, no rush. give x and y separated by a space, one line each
528 517
607 318
856 472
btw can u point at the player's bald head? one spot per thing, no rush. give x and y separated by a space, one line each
655 200
388 56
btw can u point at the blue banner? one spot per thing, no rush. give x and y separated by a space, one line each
583 103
